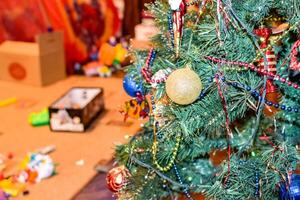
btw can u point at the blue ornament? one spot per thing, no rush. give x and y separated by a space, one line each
131 87
293 191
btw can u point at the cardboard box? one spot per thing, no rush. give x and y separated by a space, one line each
40 63
76 110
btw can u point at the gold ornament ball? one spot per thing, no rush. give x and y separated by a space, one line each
183 86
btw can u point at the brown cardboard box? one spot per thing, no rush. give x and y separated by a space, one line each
40 63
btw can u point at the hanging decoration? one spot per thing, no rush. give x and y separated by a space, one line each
146 70
291 188
178 8
183 86
117 178
272 92
252 67
131 86
227 124
186 191
217 156
159 113
295 56
160 77
136 108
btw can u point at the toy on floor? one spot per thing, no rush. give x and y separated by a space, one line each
11 188
111 56
7 102
35 167
40 118
3 195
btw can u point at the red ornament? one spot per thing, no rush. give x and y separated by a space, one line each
271 62
265 34
217 157
272 93
117 178
195 196
295 64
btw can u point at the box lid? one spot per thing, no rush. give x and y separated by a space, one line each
24 48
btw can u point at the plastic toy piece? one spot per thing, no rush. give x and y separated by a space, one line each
3 195
13 189
39 119
7 102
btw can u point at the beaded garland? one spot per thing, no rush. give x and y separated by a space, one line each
252 67
154 152
188 195
160 77
256 95
257 186
155 144
170 26
146 70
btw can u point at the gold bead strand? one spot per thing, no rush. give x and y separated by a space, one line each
155 148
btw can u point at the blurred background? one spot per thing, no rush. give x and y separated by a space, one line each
62 102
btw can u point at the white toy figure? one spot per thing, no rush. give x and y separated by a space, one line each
43 165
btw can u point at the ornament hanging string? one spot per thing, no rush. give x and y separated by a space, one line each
227 122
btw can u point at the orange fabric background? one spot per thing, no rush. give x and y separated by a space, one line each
21 20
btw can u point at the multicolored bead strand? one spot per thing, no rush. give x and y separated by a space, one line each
227 124
188 195
256 95
252 67
170 26
257 186
146 70
155 143
154 152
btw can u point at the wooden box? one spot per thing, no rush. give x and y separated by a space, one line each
76 110
38 63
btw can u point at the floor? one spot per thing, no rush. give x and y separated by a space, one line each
18 137
95 190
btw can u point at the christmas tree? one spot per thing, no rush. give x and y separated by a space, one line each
222 79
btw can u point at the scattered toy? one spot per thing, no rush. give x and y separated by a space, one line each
47 150
11 187
40 118
80 163
109 58
7 102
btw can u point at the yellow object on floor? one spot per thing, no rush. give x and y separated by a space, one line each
13 189
7 102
